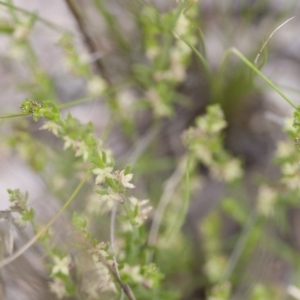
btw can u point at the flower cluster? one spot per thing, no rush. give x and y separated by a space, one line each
111 186
61 284
74 62
104 279
167 63
205 141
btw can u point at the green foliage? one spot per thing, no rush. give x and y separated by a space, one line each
132 248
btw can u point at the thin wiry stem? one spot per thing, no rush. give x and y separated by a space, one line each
42 20
13 116
236 254
112 235
169 190
89 41
268 39
142 144
18 253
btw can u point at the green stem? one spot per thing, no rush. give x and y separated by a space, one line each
240 246
13 116
42 231
179 220
42 20
12 11
260 74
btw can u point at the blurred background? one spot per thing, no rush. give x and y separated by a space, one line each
243 233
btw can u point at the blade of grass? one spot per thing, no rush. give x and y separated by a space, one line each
199 55
260 74
268 39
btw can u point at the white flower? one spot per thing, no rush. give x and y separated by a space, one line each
61 265
96 85
134 273
232 170
125 180
110 198
142 208
284 149
58 288
160 108
81 149
102 174
68 142
266 200
51 126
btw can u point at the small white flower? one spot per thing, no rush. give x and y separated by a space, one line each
81 149
51 126
102 174
232 170
110 198
68 142
143 209
58 288
284 149
134 273
160 108
61 265
125 180
266 200
96 86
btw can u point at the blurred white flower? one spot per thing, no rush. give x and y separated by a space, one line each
125 180
58 288
96 86
133 272
61 265
110 198
284 149
81 149
232 170
142 208
102 174
68 142
51 126
266 200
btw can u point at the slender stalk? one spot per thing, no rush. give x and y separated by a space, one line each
260 74
112 235
180 218
169 190
89 41
42 20
237 252
268 39
12 10
42 231
9 116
